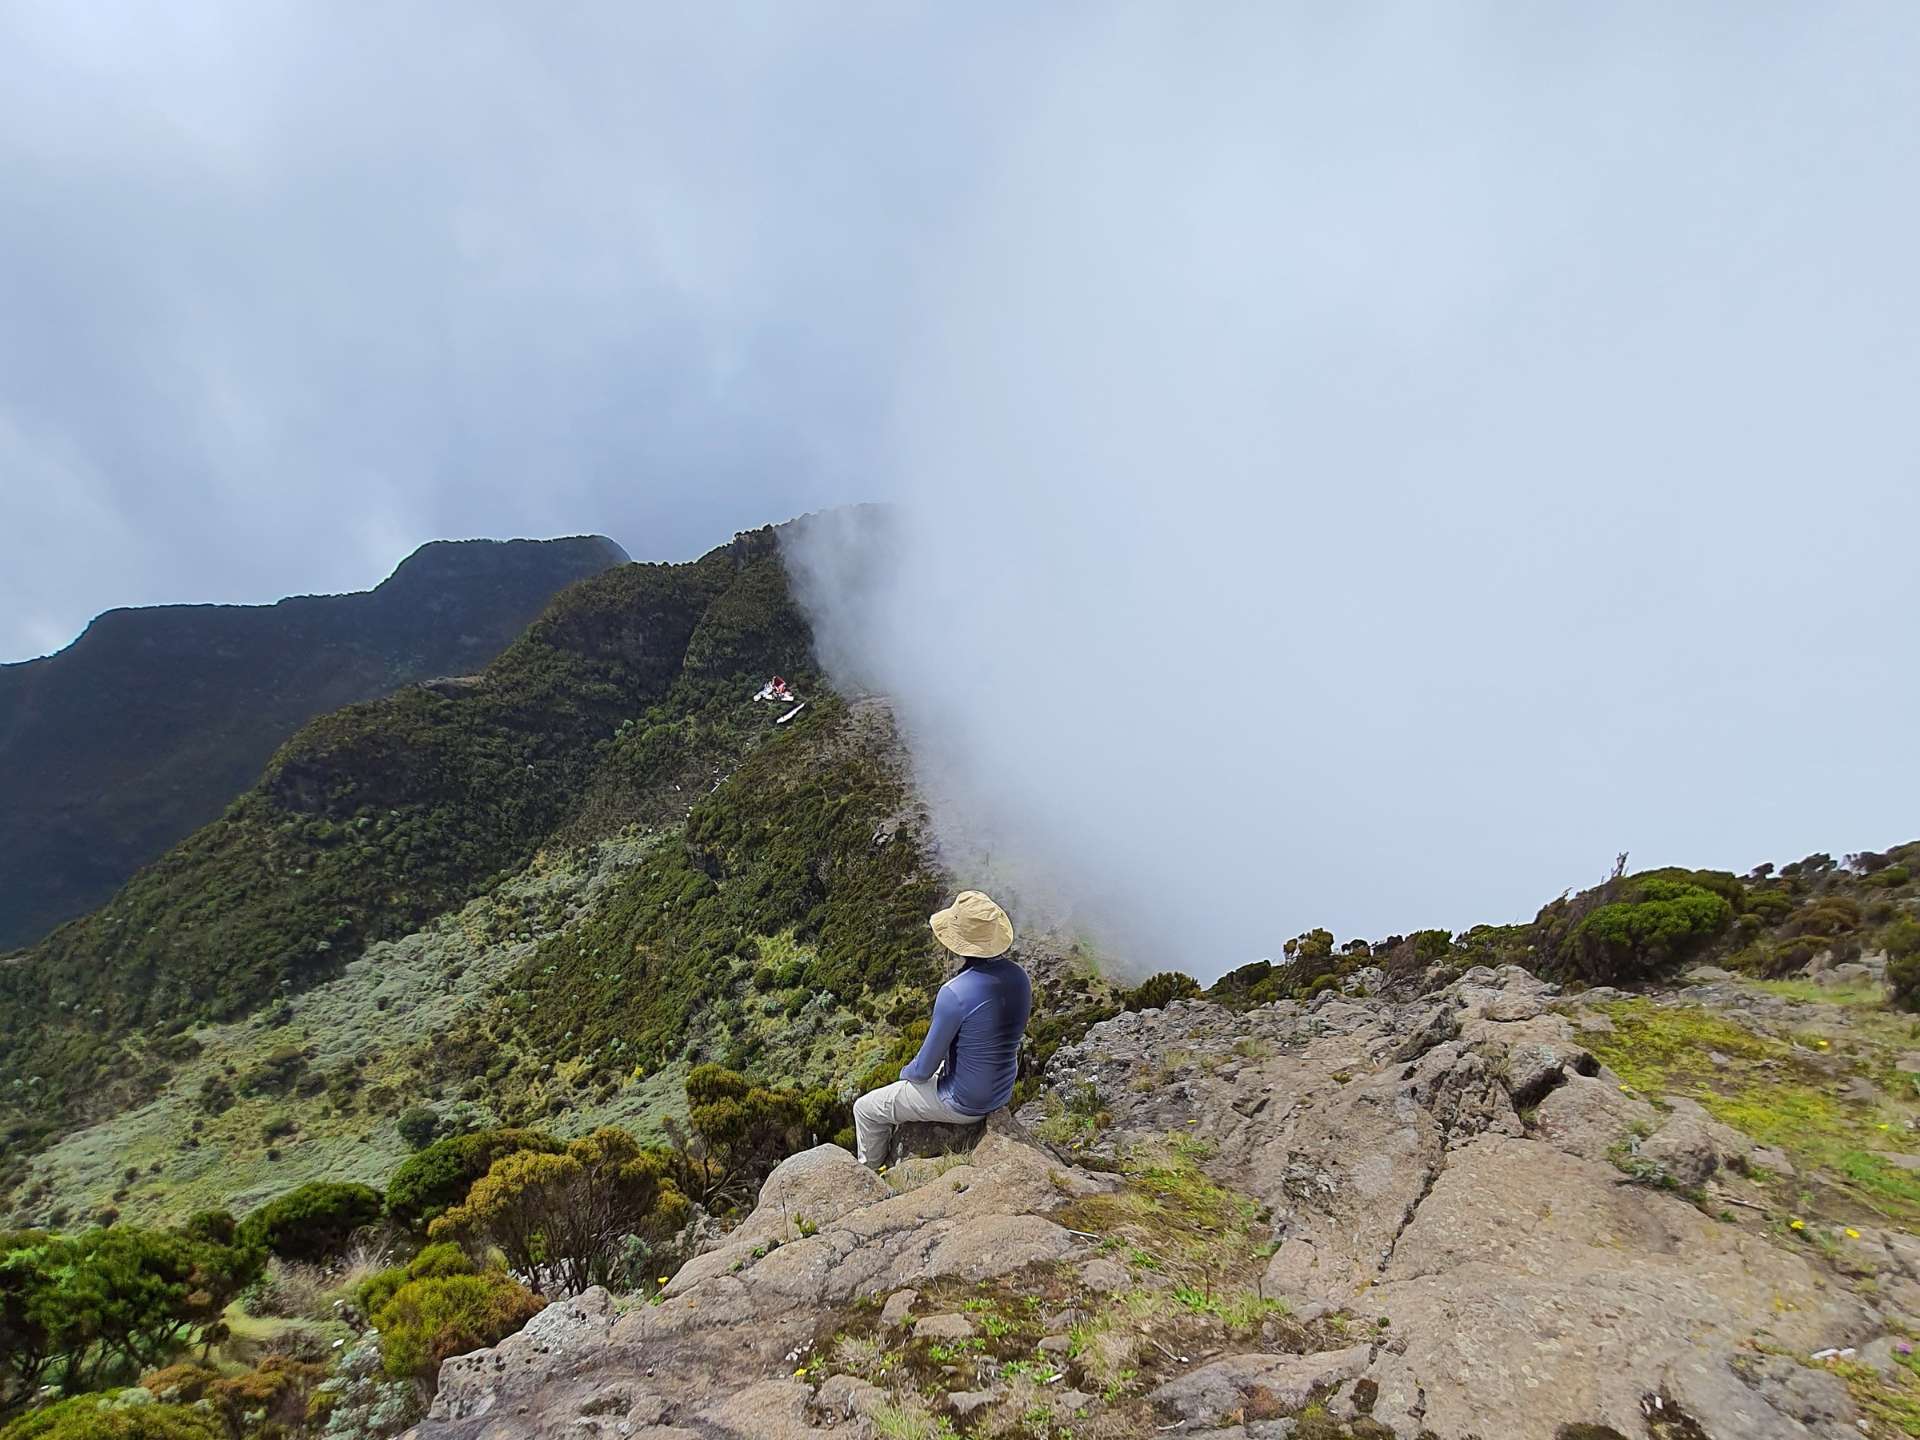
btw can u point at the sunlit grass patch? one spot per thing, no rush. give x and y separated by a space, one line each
1777 1092
1812 992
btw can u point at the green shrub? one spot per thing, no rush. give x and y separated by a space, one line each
428 1321
1158 991
417 1126
1891 878
740 1129
214 1227
435 1262
1657 922
97 1417
378 1288
1771 906
438 1261
440 1175
1901 941
123 1299
1829 915
312 1222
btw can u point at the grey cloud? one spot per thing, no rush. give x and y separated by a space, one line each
1366 472
290 288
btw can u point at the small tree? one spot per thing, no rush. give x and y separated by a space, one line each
121 1299
561 1219
741 1130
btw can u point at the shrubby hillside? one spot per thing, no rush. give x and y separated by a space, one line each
375 818
148 725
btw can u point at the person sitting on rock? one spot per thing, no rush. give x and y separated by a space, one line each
965 1070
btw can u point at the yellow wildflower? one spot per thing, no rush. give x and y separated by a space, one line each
1798 1225
1852 1234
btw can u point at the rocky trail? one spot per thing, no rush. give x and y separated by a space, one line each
1491 1210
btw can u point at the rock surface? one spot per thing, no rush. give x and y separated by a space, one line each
1475 1232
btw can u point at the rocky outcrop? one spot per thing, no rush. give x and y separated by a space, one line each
708 1359
1477 1231
1447 1165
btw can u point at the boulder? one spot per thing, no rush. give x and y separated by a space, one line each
818 1186
898 1307
470 1383
1588 1117
1282 1383
919 1139
964 1402
848 1395
943 1327
1708 974
1105 1276
774 1410
1683 1149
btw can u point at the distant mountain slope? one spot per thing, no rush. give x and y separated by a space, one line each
153 720
614 709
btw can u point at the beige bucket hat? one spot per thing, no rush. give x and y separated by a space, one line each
973 926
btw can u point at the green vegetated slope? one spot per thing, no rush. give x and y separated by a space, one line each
780 927
695 883
375 818
148 725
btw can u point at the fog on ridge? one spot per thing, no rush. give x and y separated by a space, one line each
1323 499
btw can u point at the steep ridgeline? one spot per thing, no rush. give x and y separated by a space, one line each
152 721
370 820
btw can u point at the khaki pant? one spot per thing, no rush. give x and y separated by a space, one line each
876 1113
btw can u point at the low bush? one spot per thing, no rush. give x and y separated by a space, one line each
1829 915
99 1417
428 1321
1901 941
565 1217
440 1175
313 1222
418 1125
1655 921
1158 991
436 1262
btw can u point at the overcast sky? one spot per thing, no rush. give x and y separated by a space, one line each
1362 465
288 288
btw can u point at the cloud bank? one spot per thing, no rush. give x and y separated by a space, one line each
1367 471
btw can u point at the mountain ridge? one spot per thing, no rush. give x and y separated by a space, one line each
155 717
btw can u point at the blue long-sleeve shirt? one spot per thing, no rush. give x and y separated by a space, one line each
978 1018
